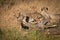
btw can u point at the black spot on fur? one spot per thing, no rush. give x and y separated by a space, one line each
24 26
44 8
45 23
27 19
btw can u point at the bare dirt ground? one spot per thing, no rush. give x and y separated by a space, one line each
13 7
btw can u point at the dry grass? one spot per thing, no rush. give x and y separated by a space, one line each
10 34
